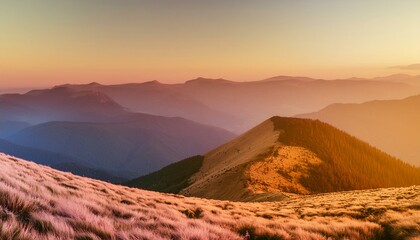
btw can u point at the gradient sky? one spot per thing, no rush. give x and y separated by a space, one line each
48 42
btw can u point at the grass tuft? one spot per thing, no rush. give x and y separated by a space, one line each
69 186
127 202
197 213
42 226
20 208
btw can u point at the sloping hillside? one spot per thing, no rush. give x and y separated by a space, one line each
37 203
347 163
286 156
392 126
133 145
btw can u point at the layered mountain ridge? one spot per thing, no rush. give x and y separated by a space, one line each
227 104
92 130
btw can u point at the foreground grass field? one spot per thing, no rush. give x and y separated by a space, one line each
38 202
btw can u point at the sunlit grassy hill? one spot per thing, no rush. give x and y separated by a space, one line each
347 163
37 202
280 157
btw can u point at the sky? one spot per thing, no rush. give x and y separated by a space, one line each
50 42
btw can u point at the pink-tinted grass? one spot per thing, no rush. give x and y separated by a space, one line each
37 202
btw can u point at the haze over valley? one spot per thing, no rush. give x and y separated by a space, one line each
238 106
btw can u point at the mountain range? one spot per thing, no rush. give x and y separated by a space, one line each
238 106
100 127
93 130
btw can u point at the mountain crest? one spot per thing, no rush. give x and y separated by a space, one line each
286 156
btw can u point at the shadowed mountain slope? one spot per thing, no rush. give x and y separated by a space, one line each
133 145
290 155
170 179
8 128
55 160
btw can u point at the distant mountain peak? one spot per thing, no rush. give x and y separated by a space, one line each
62 89
69 85
68 92
94 84
199 80
100 97
288 78
152 82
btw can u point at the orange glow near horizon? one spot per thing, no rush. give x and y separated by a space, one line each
51 42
